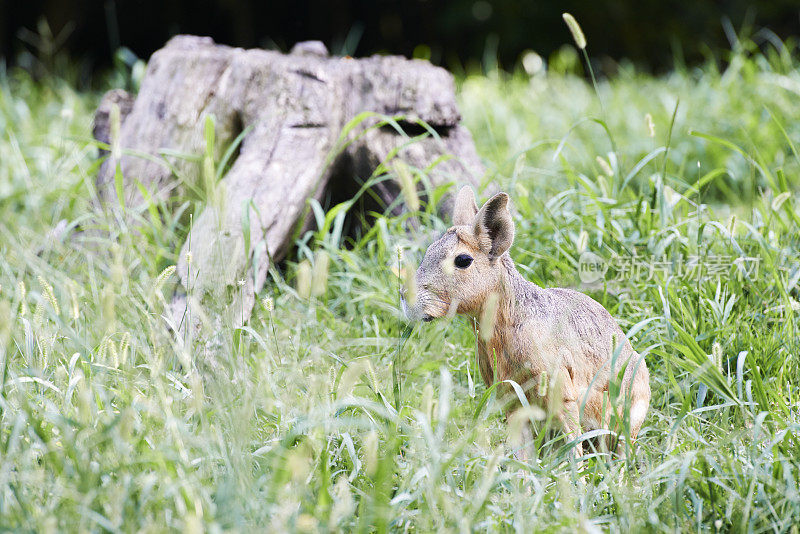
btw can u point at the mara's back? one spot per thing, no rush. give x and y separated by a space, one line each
563 327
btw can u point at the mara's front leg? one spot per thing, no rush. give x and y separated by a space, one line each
570 422
567 408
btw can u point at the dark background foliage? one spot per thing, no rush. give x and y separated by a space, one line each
652 33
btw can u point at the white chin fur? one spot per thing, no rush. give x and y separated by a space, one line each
406 311
411 313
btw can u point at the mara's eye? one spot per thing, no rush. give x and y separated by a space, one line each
463 261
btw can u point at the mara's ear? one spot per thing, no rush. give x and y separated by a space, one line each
494 227
465 208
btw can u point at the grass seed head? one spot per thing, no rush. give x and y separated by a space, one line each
343 504
407 187
716 355
543 384
319 279
371 453
410 284
489 316
651 127
118 271
84 398
38 314
605 166
583 241
372 376
21 293
304 279
49 295
519 419
124 344
75 311
209 178
306 523
108 300
575 30
166 273
114 116
778 201
671 197
198 392
427 400
732 224
112 352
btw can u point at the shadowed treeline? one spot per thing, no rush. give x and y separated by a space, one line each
453 34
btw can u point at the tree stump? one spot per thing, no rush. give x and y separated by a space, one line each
293 108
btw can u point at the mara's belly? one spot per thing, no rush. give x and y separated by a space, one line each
548 388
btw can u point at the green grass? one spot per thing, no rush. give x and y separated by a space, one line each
108 421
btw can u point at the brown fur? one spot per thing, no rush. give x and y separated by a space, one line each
561 332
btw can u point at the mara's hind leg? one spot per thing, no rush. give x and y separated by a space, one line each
522 453
637 392
636 417
638 413
615 419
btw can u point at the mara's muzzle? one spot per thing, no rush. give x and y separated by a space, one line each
414 312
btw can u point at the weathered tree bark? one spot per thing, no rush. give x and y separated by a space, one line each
295 108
